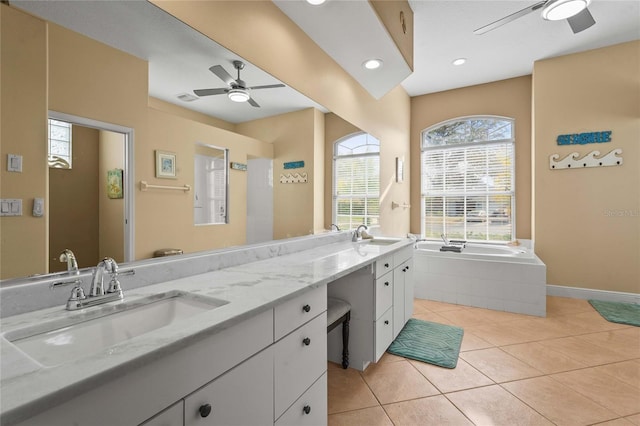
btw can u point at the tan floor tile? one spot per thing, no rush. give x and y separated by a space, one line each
347 390
635 419
387 357
498 365
500 334
625 341
374 416
432 317
397 381
433 306
583 351
434 410
617 396
490 315
558 403
627 372
493 405
466 317
542 358
464 376
472 342
418 308
617 422
592 322
537 329
564 305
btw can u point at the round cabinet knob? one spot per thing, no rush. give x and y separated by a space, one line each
306 341
307 409
407 268
306 308
386 283
386 265
204 410
386 322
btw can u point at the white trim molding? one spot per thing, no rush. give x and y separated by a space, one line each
588 293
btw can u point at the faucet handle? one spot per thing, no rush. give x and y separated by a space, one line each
114 285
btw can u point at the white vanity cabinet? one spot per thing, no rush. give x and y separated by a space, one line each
381 298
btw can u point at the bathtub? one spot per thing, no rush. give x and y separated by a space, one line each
499 277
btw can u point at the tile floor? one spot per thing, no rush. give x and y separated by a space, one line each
570 368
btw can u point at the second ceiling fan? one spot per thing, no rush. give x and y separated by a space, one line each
237 89
576 13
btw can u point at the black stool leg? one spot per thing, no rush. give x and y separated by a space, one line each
345 341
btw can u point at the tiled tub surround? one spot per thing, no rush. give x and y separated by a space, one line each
251 286
503 281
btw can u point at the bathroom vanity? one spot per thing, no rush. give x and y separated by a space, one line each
243 344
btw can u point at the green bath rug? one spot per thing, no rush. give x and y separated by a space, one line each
429 342
623 313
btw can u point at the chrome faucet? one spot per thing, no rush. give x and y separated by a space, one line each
72 264
445 240
356 234
97 294
333 225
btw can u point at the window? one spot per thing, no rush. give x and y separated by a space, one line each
467 179
59 144
356 182
210 185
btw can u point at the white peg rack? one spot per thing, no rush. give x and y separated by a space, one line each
293 178
572 161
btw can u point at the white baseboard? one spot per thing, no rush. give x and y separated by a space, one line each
587 293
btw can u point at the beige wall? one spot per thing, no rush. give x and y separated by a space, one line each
111 222
23 243
507 98
259 32
73 203
389 13
587 221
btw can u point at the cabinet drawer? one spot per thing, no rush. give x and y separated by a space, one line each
299 362
295 312
242 396
172 416
384 265
384 294
310 409
384 333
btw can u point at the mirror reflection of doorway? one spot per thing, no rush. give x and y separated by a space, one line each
87 213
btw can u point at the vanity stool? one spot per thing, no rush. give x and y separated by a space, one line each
339 312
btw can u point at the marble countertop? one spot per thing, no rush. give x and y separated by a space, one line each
27 387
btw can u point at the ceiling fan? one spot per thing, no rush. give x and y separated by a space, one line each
574 11
237 90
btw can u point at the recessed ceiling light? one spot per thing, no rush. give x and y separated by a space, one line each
556 10
316 2
459 61
372 64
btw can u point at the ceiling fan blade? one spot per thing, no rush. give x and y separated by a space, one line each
268 86
209 92
512 17
222 74
581 21
253 103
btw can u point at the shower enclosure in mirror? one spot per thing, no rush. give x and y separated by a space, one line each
211 179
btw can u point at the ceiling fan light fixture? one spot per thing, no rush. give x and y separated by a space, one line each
556 10
238 95
316 2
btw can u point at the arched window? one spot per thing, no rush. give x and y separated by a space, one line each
467 179
356 181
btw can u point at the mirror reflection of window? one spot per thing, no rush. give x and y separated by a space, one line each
59 146
210 185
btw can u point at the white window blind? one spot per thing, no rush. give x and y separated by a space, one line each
467 180
59 146
356 182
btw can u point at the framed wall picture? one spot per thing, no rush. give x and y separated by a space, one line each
114 184
165 165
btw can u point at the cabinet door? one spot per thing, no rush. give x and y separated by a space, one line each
172 416
310 409
398 299
384 333
408 289
242 396
384 294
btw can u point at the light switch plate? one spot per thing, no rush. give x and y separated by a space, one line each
14 163
11 207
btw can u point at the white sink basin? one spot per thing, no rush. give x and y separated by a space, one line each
380 241
59 344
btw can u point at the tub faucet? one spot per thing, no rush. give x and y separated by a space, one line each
72 264
333 225
356 234
445 240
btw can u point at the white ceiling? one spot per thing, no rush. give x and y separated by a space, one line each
179 57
